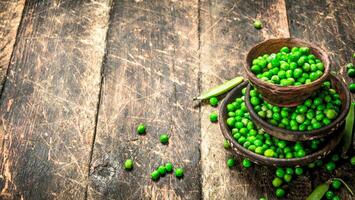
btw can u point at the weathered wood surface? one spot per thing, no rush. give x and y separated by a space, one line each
73 97
227 33
50 98
10 16
330 24
150 76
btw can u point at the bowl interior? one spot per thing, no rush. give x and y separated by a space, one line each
259 159
290 135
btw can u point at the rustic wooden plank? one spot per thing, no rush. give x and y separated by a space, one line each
50 99
150 76
331 25
227 33
10 15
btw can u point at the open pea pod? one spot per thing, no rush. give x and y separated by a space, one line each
220 89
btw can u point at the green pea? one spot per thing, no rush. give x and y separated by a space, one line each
287 178
258 24
213 117
285 50
128 164
162 170
256 69
269 153
280 192
246 163
231 162
280 172
226 144
330 166
164 138
331 113
298 171
336 184
329 194
169 167
352 87
155 175
179 172
213 101
255 101
289 171
141 129
277 182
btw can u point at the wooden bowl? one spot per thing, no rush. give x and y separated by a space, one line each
333 141
290 135
286 96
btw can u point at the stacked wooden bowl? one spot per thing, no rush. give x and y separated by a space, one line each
288 96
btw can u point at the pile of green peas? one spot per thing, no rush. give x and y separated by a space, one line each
317 111
256 140
288 67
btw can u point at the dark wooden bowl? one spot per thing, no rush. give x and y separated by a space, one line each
286 96
333 140
289 135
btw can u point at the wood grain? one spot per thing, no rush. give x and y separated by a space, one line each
330 24
150 76
227 33
10 15
50 98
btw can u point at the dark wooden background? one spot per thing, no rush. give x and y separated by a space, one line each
77 76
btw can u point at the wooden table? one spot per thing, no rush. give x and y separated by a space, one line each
78 76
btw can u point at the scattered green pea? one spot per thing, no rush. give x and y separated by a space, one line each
262 198
164 138
336 197
329 194
155 175
141 129
287 178
246 163
336 184
213 117
162 170
298 171
214 101
330 166
280 192
128 164
277 182
169 167
280 172
179 172
258 24
231 162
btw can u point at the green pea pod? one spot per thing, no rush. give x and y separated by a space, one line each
319 192
220 89
348 131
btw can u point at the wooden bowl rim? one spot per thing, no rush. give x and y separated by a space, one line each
308 135
272 86
239 149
